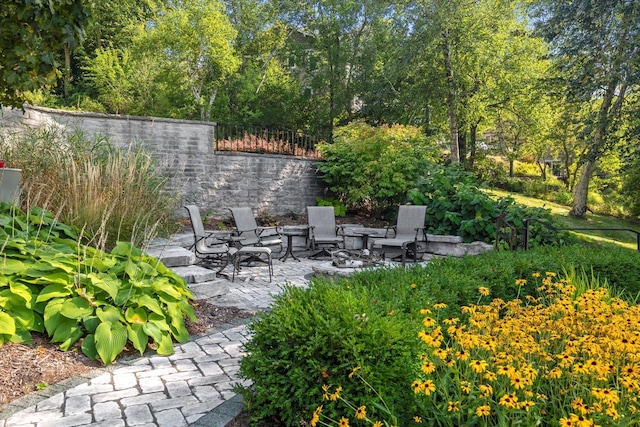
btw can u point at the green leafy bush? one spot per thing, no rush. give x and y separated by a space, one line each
457 206
370 168
322 334
49 282
338 207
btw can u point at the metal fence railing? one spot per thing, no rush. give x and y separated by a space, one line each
257 139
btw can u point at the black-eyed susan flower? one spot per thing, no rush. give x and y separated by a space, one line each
428 367
353 371
453 406
484 291
483 411
344 422
439 305
417 419
478 366
361 412
428 387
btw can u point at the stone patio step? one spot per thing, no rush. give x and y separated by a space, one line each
173 256
195 273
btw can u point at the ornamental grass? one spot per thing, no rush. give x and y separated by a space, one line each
569 356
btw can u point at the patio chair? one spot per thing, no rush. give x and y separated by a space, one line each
207 249
408 234
323 231
254 241
250 234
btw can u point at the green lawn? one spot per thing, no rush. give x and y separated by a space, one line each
626 239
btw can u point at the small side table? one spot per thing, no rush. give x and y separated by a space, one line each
290 231
365 233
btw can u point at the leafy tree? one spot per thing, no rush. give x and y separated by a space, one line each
595 44
32 36
198 39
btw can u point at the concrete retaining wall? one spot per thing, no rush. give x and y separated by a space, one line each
214 180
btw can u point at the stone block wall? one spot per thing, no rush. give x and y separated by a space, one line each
214 180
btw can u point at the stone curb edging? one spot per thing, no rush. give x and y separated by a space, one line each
222 415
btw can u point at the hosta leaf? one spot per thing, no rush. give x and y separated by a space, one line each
57 277
148 302
10 266
76 308
163 287
75 333
22 335
52 317
153 331
108 283
165 345
66 329
179 330
138 337
56 290
7 324
21 291
89 347
110 340
124 295
108 313
91 323
23 317
136 316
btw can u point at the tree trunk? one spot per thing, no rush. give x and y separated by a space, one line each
580 193
511 168
451 100
473 144
67 70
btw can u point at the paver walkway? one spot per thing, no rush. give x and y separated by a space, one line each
171 391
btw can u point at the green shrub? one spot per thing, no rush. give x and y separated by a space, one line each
457 206
49 282
320 335
370 168
338 207
114 194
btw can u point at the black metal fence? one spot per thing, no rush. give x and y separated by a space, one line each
256 139
509 236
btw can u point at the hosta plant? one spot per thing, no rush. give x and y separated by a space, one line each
52 283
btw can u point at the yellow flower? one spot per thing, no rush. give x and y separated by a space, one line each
425 311
344 422
316 416
377 424
361 412
336 394
417 387
484 291
428 322
555 373
462 355
486 390
413 286
428 367
521 282
439 305
429 387
526 405
451 320
489 376
536 274
325 390
465 386
356 369
483 411
417 419
550 274
453 406
478 366
611 411
509 400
